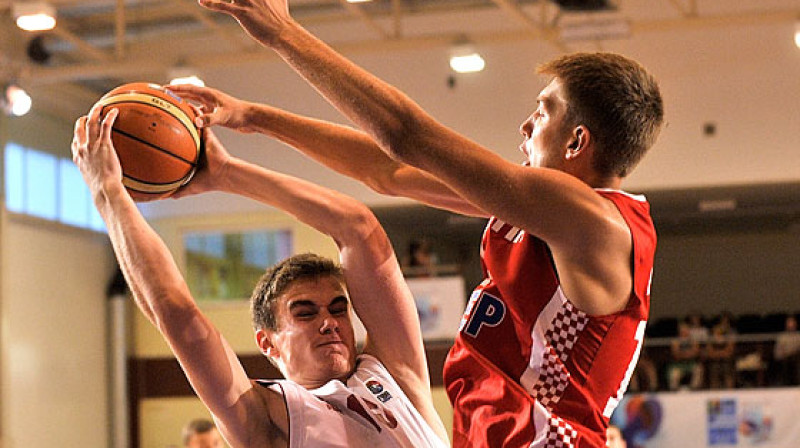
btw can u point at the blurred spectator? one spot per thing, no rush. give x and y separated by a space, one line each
202 433
787 354
614 438
645 376
685 369
420 261
697 329
720 361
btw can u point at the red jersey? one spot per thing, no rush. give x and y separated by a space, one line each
528 369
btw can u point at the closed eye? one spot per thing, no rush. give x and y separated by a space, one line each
339 306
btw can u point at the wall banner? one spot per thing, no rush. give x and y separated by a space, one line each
764 418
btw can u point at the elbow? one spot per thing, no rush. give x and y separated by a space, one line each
384 183
361 223
400 135
169 306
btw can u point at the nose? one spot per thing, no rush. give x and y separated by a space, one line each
526 128
330 324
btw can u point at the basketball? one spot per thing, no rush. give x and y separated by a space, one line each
156 140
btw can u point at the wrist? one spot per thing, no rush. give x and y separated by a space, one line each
109 192
287 37
223 174
249 117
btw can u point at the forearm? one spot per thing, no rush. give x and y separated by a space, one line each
210 364
327 211
157 285
355 154
346 150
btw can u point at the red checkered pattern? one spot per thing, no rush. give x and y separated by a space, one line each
560 434
560 337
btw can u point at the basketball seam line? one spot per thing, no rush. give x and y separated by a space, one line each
155 184
153 146
168 107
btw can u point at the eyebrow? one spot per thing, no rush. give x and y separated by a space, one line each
301 303
546 100
339 300
308 303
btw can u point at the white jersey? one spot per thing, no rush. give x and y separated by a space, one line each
369 411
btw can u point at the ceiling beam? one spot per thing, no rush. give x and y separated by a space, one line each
717 21
119 29
397 18
200 15
516 13
539 29
127 68
353 9
685 11
83 47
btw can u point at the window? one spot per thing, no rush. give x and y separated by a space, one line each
49 187
226 266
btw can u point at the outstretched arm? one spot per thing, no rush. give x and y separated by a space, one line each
348 151
590 241
246 415
376 285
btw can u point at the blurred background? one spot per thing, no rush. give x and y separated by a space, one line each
80 367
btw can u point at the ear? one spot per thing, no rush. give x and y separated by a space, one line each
265 344
581 138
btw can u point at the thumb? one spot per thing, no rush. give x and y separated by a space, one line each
206 120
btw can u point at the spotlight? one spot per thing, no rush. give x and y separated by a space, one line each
16 101
34 16
464 59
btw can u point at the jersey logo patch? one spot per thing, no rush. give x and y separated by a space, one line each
378 390
486 310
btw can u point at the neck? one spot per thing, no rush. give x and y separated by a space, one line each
595 180
316 383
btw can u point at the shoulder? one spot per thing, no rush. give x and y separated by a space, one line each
367 364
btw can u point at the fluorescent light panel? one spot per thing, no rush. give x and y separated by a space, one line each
468 63
34 16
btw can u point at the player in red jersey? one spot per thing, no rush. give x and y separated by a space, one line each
551 336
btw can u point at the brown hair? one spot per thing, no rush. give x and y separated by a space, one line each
279 277
197 426
617 99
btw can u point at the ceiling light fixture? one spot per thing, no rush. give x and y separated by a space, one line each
593 30
464 59
797 33
16 101
183 74
34 16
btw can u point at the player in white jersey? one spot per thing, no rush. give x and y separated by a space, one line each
301 313
363 412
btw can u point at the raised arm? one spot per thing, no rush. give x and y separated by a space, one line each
377 289
590 241
348 151
246 415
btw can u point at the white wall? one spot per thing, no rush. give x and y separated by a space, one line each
53 336
745 79
53 385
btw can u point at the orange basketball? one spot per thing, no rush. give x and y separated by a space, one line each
155 137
